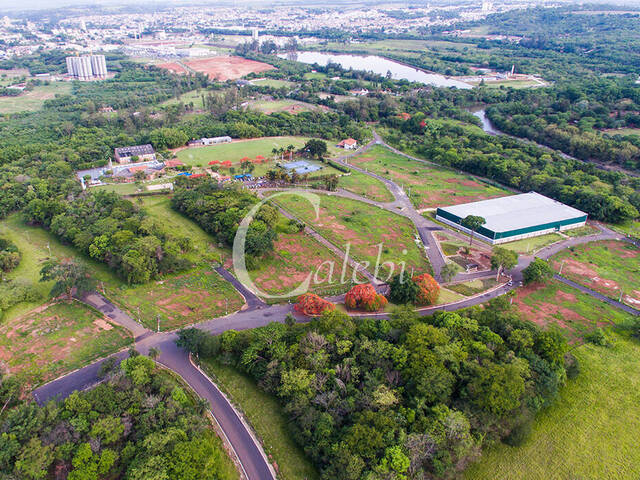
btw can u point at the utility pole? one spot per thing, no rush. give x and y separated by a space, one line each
158 319
561 265
621 292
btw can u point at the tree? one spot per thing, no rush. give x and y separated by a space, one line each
34 460
403 290
503 259
428 289
67 275
364 297
316 148
449 271
154 353
311 304
473 223
538 271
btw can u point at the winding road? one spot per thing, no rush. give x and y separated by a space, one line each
250 455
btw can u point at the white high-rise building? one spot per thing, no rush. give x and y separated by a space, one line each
254 34
87 67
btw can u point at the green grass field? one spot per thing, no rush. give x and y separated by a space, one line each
607 267
581 231
194 96
271 82
267 419
590 431
283 105
622 131
557 304
367 186
43 345
363 227
201 156
533 244
34 244
33 100
473 287
428 186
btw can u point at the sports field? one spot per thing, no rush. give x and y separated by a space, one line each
590 431
611 268
34 99
366 229
55 339
428 186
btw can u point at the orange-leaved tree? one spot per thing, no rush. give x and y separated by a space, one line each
311 304
429 289
364 297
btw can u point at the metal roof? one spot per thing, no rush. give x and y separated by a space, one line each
513 212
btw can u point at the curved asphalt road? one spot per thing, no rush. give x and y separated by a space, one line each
250 455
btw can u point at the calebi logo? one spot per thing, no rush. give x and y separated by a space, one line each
325 273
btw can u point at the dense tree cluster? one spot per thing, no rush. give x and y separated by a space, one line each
219 210
570 116
112 230
139 425
406 398
10 256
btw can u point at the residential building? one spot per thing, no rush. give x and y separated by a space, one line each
128 154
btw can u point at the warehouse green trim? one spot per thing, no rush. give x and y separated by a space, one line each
514 217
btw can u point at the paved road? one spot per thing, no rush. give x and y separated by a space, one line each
251 299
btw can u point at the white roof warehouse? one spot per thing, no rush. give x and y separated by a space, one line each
514 217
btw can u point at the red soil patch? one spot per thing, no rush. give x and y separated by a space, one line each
173 67
227 68
466 183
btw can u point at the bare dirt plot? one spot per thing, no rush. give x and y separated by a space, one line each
227 68
54 339
557 304
173 67
610 268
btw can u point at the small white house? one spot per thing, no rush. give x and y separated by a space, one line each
348 144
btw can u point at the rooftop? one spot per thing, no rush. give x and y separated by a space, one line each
302 167
135 150
516 211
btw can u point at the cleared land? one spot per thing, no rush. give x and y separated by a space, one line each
194 96
367 186
267 419
55 339
557 304
295 256
622 131
428 186
366 229
34 99
288 106
271 82
606 267
227 67
589 432
178 300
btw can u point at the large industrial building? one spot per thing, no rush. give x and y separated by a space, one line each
514 217
87 67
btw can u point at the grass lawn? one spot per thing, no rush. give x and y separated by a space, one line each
234 151
271 82
295 256
447 295
186 98
363 228
631 227
561 305
590 431
606 267
267 419
314 75
622 131
581 231
180 299
33 100
428 186
34 244
283 105
367 186
533 244
56 339
473 287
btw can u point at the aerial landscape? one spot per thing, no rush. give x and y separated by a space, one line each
263 240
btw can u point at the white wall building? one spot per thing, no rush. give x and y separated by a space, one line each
87 67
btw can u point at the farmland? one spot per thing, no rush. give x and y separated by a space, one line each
34 99
428 186
54 339
610 268
590 431
363 227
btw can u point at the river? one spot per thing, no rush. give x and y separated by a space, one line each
487 126
377 65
